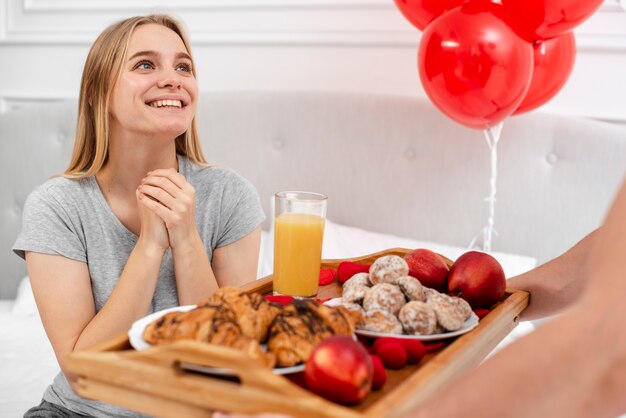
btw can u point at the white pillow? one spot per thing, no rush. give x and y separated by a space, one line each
341 241
25 301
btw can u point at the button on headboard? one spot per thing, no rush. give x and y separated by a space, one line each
388 164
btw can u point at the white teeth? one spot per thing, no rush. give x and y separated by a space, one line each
167 103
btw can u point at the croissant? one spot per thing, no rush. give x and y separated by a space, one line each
264 316
302 325
233 318
253 312
340 320
160 329
227 333
211 323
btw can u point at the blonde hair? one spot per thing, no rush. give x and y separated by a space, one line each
101 71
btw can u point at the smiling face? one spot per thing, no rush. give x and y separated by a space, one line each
155 94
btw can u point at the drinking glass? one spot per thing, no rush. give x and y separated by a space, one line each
298 234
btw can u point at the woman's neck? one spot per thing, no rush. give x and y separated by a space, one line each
129 161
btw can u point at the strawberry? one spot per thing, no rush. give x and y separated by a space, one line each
392 354
283 300
415 350
430 347
384 340
380 375
326 276
347 269
481 313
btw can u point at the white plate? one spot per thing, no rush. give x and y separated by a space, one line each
470 324
135 336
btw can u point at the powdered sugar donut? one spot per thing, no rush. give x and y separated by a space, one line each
387 269
353 307
359 279
354 294
412 288
384 296
464 306
418 318
380 321
428 292
449 314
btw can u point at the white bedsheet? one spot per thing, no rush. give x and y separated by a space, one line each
27 362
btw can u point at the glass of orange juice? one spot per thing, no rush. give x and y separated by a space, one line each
298 233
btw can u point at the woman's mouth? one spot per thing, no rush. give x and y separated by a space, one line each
166 103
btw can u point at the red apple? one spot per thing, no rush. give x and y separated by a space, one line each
340 369
478 278
427 267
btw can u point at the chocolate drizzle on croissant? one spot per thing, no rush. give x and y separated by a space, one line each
303 324
233 318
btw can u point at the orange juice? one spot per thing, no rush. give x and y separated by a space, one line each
297 253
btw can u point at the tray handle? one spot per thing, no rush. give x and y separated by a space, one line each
262 390
210 355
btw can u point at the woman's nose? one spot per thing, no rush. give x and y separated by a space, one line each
169 78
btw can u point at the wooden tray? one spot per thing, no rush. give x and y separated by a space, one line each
152 381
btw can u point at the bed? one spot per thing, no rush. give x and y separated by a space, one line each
397 173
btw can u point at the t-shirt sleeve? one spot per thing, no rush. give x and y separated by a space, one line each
48 228
243 211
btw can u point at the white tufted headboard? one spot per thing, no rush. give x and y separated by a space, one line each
389 164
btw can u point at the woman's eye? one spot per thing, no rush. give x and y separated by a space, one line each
184 67
144 65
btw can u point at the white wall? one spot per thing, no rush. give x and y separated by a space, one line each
347 45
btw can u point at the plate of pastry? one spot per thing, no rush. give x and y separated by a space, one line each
278 337
394 304
402 308
140 327
468 325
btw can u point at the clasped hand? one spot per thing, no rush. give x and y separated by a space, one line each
167 194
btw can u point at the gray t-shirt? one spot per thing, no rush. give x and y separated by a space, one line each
71 218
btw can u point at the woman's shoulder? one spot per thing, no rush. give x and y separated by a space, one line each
58 189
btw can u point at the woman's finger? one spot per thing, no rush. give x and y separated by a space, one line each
174 176
155 206
163 183
159 195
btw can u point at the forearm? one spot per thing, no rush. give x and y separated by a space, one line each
558 283
236 264
195 280
563 369
130 299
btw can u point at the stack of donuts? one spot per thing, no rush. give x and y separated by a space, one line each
392 302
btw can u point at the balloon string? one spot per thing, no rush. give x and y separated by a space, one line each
492 136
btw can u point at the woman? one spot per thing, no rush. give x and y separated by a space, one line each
138 222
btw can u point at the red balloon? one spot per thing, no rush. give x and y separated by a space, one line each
553 63
545 19
421 12
473 66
